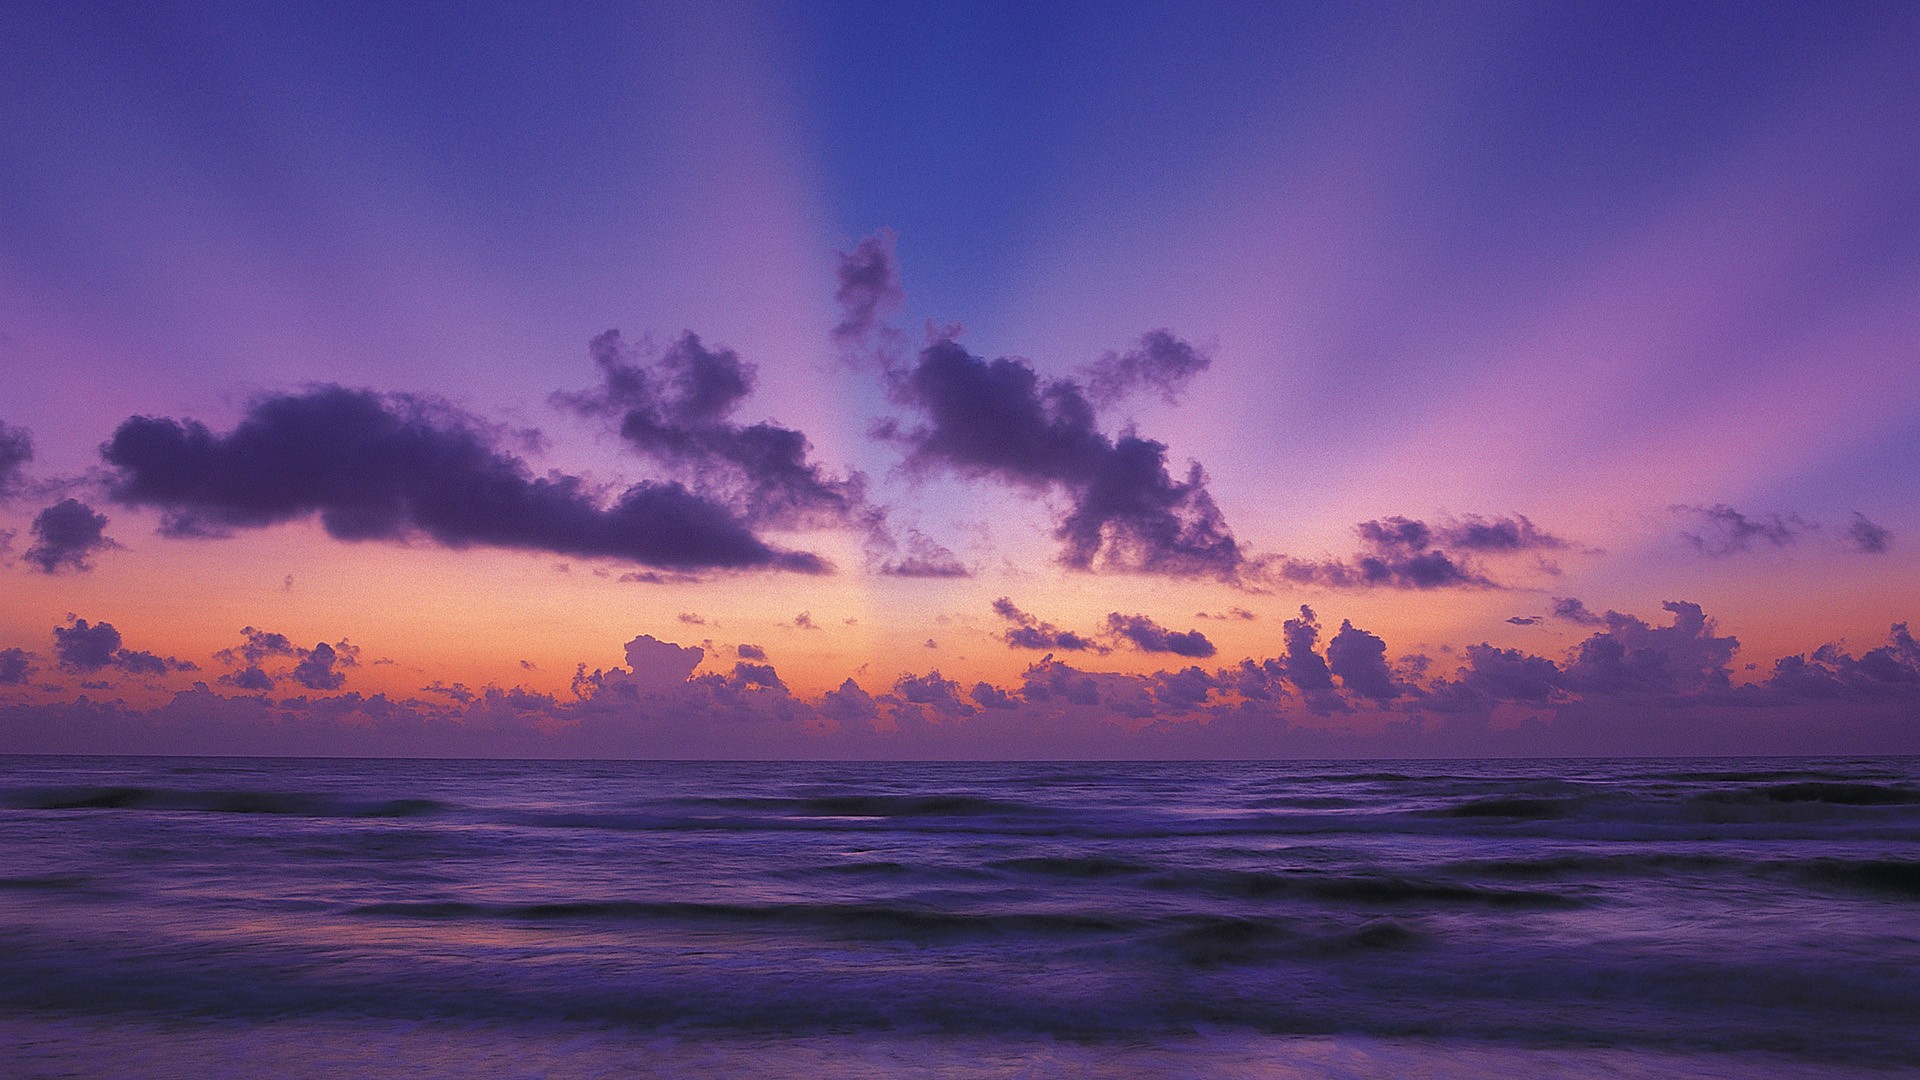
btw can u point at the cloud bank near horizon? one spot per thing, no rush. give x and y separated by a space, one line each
1629 687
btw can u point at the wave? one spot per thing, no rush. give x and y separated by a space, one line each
287 803
874 805
853 919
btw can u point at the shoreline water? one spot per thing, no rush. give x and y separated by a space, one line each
1592 918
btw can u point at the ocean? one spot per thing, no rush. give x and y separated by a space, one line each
1633 917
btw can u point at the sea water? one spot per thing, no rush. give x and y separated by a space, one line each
207 916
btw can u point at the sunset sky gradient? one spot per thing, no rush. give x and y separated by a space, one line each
960 380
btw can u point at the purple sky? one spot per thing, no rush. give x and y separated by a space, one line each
824 380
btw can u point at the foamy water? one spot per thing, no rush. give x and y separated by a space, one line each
1578 918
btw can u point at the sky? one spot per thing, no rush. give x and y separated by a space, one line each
959 380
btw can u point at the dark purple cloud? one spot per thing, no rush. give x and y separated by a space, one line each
1303 666
1509 674
1571 609
319 667
84 647
1472 532
1631 656
1161 363
1360 660
1524 620
66 537
1127 513
15 666
676 408
1148 636
1719 531
750 652
1830 672
16 449
1868 538
1027 632
999 420
1406 553
389 468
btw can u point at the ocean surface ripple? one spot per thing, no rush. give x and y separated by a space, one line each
1711 909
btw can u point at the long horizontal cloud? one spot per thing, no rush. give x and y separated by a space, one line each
1406 553
377 467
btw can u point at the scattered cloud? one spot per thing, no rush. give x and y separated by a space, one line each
1719 531
1868 538
16 449
1000 420
1027 632
1148 636
85 647
15 666
1161 363
66 537
675 409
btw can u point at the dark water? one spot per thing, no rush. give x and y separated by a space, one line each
1719 917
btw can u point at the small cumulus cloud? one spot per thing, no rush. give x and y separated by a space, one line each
66 537
15 666
1868 538
91 647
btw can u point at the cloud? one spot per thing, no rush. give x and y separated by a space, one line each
868 291
1830 672
1406 553
654 667
1395 554
66 536
16 449
1360 661
1161 362
391 468
84 647
1630 688
15 666
675 410
925 559
1721 530
1524 620
1236 613
1148 636
750 652
1126 512
1027 632
319 666
999 421
1868 538
1303 666
1472 532
1631 656
1571 609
